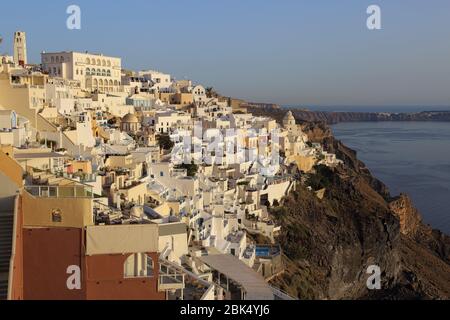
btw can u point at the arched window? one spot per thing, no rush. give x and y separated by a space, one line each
57 59
99 63
104 73
99 72
88 61
104 63
108 63
108 73
93 62
88 71
138 265
62 59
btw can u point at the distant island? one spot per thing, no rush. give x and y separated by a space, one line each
337 117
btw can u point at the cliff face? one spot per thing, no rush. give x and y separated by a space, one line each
330 243
336 117
414 229
410 219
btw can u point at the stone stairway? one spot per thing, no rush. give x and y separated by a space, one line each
6 235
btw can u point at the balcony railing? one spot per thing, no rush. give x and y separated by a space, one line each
75 191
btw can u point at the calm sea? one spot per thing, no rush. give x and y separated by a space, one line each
409 157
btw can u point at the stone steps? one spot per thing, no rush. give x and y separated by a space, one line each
3 289
6 239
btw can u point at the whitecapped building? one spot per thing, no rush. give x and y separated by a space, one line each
95 72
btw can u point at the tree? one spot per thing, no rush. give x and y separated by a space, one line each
322 178
112 121
164 141
211 93
191 169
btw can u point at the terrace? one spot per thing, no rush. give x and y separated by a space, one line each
72 191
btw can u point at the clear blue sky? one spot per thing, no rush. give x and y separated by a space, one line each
314 52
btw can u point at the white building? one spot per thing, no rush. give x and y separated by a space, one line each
93 71
81 133
14 129
199 94
162 81
4 58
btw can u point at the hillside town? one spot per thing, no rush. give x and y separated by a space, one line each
120 184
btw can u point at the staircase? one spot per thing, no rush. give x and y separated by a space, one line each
6 235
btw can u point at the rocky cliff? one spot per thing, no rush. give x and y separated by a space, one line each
336 117
409 218
329 243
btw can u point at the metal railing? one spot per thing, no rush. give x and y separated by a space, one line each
281 295
75 191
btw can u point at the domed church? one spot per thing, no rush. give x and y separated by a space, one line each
289 122
130 123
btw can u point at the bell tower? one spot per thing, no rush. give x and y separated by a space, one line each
20 48
289 122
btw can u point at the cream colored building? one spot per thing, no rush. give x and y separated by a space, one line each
93 71
17 93
166 122
4 58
